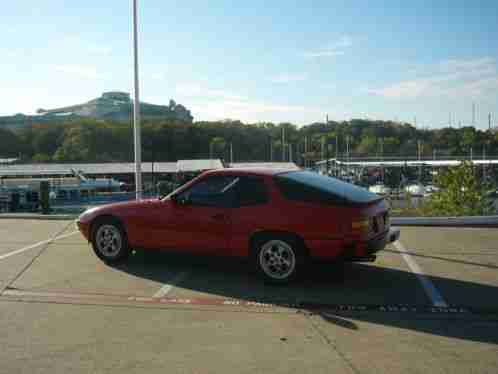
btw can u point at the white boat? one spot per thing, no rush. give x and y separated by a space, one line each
380 189
416 189
430 189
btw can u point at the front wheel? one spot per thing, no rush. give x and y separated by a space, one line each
277 260
109 242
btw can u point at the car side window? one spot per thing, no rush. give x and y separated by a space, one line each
300 192
215 191
251 191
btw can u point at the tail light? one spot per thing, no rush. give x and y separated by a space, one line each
361 226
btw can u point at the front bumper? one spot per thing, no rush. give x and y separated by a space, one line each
84 228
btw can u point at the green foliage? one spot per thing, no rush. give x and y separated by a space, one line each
461 193
91 140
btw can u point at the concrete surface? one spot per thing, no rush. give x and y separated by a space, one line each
69 312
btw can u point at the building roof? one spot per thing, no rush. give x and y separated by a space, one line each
433 163
198 165
7 160
278 165
253 171
91 169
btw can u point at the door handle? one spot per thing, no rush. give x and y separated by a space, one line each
218 217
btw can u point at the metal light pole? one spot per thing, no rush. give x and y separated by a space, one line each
283 143
136 108
305 151
271 149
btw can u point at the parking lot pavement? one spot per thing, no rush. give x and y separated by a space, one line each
68 311
17 234
47 338
462 263
385 343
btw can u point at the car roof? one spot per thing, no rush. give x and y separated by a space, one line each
251 171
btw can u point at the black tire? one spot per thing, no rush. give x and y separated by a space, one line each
109 241
278 259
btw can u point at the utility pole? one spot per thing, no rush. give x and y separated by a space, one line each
231 152
323 148
271 149
489 121
283 143
471 156
347 147
305 151
483 165
336 147
290 152
419 144
136 108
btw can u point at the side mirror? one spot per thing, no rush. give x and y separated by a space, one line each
179 200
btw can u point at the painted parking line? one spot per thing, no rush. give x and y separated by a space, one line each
429 288
32 246
16 295
166 289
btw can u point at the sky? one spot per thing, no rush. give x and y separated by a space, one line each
273 61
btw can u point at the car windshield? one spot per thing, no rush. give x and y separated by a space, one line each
347 191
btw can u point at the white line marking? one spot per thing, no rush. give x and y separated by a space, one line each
166 289
429 288
18 251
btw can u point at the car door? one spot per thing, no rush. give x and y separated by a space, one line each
252 212
199 218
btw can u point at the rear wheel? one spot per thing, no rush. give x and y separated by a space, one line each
109 241
278 259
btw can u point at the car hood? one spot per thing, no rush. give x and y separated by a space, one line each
118 209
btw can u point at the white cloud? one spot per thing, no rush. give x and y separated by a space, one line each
80 71
253 111
455 78
194 90
98 49
75 42
215 104
158 76
336 48
289 78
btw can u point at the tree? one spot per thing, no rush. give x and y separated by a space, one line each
460 194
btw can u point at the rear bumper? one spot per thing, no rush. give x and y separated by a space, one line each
351 249
365 251
378 243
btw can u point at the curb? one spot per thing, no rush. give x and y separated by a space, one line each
41 217
477 221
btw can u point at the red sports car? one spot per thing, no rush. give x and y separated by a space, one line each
278 218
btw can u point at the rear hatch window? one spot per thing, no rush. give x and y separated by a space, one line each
312 187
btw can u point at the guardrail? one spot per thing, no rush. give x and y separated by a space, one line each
476 221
